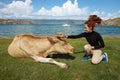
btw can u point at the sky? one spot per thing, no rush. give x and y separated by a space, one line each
59 9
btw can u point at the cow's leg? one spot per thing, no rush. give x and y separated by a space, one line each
49 60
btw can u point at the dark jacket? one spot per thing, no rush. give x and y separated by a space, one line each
93 38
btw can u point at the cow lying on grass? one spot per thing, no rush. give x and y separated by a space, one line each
38 48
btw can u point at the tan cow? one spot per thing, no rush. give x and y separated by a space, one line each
38 48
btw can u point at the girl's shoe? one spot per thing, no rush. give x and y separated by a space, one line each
105 59
85 58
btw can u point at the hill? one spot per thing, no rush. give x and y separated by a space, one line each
109 22
12 21
112 22
15 21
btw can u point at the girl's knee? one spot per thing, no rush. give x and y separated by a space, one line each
87 48
94 61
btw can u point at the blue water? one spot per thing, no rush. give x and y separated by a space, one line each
52 29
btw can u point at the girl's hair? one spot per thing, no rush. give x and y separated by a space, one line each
93 20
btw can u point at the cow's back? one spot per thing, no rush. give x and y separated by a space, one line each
14 48
26 45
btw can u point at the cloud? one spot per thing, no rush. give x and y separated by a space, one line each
17 9
20 9
105 15
69 10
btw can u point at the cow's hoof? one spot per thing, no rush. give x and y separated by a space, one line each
63 65
66 66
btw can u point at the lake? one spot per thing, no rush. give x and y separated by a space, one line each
52 29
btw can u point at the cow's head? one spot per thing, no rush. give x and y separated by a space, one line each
62 46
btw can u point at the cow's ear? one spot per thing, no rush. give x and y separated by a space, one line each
56 40
53 40
61 35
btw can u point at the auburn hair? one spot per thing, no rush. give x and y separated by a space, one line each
93 20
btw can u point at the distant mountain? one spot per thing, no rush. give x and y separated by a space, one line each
112 22
109 22
15 21
12 21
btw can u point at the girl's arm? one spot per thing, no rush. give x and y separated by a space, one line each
76 36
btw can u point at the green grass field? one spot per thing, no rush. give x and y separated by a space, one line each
27 69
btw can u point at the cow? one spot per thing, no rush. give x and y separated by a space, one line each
39 47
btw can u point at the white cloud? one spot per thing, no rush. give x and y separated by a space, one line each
20 9
17 9
105 15
69 10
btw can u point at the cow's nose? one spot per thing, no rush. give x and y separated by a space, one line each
72 50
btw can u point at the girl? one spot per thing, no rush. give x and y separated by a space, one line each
94 39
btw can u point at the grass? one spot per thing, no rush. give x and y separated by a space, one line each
26 69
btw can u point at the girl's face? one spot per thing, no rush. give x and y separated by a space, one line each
87 29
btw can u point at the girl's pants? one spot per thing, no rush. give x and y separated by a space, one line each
97 55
